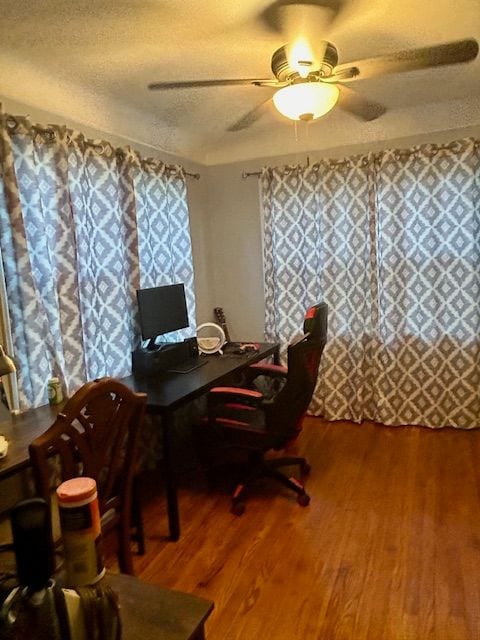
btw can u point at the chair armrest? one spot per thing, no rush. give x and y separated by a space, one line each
228 392
271 370
234 394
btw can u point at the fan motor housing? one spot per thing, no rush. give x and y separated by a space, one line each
284 73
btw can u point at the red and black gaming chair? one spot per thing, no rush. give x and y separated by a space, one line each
247 421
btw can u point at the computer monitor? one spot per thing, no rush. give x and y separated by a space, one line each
162 310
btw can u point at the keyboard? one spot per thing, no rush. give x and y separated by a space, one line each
188 365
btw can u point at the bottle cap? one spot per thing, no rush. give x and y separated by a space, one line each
76 489
54 379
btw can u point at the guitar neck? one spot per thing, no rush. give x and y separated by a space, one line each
225 331
220 317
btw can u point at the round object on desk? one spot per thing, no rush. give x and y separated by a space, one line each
3 447
210 338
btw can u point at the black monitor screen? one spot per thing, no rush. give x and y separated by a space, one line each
162 309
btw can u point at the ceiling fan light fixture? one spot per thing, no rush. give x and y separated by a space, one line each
306 100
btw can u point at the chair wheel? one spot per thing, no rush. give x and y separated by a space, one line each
238 508
305 468
303 499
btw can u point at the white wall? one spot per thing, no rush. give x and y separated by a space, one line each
235 249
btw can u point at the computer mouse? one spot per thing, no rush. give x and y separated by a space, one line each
248 347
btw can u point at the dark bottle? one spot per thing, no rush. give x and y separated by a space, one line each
32 543
36 608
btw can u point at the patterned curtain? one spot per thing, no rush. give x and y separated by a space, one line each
428 212
165 250
392 243
70 250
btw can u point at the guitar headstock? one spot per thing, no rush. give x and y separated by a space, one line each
219 315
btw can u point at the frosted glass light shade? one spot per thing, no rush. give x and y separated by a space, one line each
306 100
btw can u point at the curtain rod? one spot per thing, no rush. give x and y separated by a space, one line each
399 153
49 131
247 174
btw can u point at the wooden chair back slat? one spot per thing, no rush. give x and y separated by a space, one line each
96 435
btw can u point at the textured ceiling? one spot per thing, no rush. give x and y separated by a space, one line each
91 62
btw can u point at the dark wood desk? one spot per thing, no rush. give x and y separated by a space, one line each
149 612
165 393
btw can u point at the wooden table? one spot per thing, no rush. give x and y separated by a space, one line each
149 612
20 431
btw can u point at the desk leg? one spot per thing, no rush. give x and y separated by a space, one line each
170 480
276 355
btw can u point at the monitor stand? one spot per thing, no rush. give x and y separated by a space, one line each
152 346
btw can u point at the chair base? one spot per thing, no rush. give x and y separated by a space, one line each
258 467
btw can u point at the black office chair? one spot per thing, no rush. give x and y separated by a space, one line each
245 420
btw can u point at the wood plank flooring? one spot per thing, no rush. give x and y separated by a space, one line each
389 547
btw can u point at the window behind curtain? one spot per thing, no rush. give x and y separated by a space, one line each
165 250
80 233
391 242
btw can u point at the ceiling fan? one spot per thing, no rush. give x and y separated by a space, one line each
309 82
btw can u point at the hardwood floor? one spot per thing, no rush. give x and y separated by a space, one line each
389 547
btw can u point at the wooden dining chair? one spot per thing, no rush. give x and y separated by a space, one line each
96 435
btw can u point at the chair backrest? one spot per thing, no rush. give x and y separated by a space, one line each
316 321
285 415
95 435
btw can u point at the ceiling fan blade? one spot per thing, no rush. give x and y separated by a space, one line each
343 74
249 118
273 83
191 84
427 57
351 101
277 19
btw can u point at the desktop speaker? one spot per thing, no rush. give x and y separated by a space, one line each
148 362
192 346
